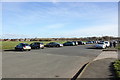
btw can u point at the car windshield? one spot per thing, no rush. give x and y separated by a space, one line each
56 43
41 43
24 44
106 42
52 43
100 43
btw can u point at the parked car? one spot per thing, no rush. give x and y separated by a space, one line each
89 42
37 45
94 41
76 43
81 43
69 43
53 44
23 46
101 45
107 43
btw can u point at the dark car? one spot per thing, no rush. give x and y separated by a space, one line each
53 44
81 43
37 45
23 46
69 43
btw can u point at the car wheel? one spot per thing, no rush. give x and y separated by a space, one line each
57 45
29 49
42 48
16 49
105 47
22 49
37 47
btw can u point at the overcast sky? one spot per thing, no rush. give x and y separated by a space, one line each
59 19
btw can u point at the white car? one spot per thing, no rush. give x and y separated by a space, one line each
101 45
23 46
107 43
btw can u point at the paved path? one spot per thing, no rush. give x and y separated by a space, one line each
107 54
101 66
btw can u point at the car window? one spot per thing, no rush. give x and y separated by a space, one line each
37 43
50 43
31 44
54 43
41 43
19 44
25 45
100 43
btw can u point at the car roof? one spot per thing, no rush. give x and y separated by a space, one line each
101 42
53 42
106 41
38 42
69 41
23 44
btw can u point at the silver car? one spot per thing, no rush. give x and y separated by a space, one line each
101 45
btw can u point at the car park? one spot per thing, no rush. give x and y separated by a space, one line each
23 46
100 45
37 45
69 43
53 44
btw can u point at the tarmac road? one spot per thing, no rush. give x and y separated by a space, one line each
63 62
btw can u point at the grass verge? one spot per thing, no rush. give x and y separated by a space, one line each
118 46
117 68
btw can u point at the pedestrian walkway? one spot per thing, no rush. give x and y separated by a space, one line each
110 49
107 54
100 67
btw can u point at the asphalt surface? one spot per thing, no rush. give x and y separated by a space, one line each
63 62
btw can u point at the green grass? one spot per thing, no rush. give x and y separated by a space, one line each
11 44
118 46
117 68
